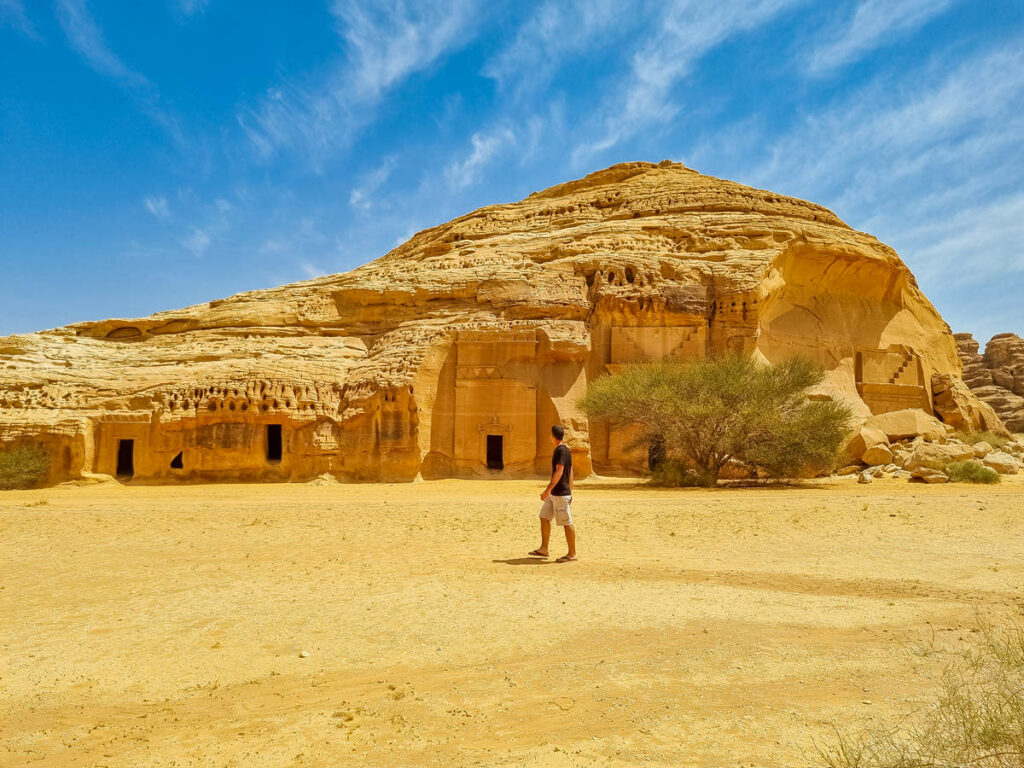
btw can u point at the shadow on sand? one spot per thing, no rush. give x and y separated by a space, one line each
524 561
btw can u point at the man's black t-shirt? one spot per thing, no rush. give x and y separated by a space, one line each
563 456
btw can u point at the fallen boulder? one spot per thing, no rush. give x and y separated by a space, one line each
877 454
864 440
1001 462
931 454
928 475
909 423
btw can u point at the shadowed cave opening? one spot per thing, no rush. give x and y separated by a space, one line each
125 458
274 443
495 452
178 461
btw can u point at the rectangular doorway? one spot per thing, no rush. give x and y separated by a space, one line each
495 451
125 458
274 443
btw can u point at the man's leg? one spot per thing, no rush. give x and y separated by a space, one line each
563 516
547 511
570 541
545 536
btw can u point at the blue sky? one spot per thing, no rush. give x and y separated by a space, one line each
165 153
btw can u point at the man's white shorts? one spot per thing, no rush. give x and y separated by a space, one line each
557 508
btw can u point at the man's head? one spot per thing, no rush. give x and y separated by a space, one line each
557 434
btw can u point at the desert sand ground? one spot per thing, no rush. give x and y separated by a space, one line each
165 626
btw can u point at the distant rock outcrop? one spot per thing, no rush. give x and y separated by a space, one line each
454 353
997 377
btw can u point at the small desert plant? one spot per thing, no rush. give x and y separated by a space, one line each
23 466
971 472
709 412
977 718
671 473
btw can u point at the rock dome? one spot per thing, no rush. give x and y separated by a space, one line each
454 353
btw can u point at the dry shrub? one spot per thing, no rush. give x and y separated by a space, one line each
976 720
23 466
971 472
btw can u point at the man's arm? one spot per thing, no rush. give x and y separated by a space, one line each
555 477
572 476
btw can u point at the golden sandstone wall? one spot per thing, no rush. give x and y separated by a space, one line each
454 353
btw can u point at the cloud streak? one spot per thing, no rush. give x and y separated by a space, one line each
157 206
484 148
874 23
12 14
554 32
383 45
190 7
686 31
960 121
86 37
361 197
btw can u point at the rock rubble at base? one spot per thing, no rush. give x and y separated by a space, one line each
917 457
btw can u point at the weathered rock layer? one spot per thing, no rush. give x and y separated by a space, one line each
452 354
997 377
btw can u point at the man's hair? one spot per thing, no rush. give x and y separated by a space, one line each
558 431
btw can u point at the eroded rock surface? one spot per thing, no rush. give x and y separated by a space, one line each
997 377
454 353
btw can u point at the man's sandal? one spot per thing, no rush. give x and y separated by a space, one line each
538 553
566 559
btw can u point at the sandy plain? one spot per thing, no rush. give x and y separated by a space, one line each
166 626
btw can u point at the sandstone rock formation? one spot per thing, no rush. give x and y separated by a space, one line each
997 377
452 354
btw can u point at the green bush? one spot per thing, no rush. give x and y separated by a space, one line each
675 474
709 412
976 720
971 472
23 466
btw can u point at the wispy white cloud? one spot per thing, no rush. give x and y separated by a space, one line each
158 207
361 196
894 130
273 245
976 236
190 7
311 270
86 37
211 223
198 241
484 148
874 23
12 14
686 31
554 31
384 44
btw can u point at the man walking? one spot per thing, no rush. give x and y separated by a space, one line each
556 498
